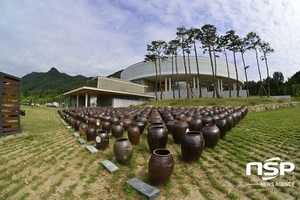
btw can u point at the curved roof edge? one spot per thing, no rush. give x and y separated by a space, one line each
143 69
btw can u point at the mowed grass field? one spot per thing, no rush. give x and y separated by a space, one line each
46 161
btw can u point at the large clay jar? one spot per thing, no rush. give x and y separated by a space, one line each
222 124
234 119
178 130
113 119
229 122
102 139
156 124
134 134
77 125
98 124
195 124
206 120
169 126
70 121
106 118
141 125
106 125
126 121
117 130
211 134
142 119
122 150
239 116
160 167
215 118
82 129
90 134
157 137
91 121
192 146
244 111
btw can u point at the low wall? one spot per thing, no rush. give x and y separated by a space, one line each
264 107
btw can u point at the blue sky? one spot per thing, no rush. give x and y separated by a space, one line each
99 37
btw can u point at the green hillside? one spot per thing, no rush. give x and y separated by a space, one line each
44 87
54 80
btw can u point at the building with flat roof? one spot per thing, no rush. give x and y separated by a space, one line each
111 92
137 83
171 78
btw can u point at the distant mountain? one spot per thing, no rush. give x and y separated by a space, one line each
53 80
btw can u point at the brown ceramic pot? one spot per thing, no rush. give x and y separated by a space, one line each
211 134
157 137
192 145
160 166
178 130
117 130
134 134
122 150
102 139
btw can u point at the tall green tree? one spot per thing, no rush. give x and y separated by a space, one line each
254 44
194 36
223 43
233 43
266 49
209 40
150 57
277 83
158 48
173 50
182 36
243 46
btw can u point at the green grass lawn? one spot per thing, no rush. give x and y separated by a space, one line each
45 161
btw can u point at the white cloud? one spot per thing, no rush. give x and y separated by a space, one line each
103 36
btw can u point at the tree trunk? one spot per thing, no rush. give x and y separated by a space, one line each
173 76
176 67
160 85
243 59
228 73
237 76
198 71
156 80
217 88
258 67
213 73
186 75
268 75
190 75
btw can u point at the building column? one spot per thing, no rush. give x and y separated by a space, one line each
166 84
234 86
170 84
194 82
221 85
198 82
86 99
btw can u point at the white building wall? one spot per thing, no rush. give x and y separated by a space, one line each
125 102
147 69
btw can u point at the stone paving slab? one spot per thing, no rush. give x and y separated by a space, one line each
111 167
81 141
76 134
92 149
143 188
71 130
